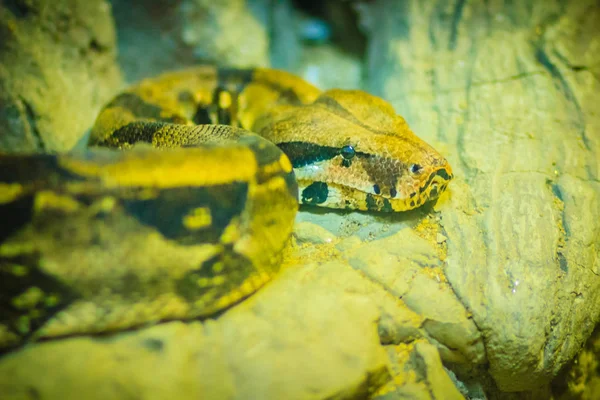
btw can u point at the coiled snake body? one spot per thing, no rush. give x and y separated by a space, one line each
193 216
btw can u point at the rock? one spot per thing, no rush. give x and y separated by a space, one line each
155 37
309 233
326 67
581 378
427 378
409 268
499 280
57 68
149 38
509 94
225 32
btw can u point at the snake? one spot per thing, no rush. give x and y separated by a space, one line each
186 194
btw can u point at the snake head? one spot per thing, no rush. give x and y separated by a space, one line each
351 150
423 177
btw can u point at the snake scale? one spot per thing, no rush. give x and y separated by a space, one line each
192 216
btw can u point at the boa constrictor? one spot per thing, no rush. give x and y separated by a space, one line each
193 215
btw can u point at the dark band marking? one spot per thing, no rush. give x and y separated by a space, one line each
232 81
303 153
132 133
393 192
287 95
225 115
135 104
336 108
383 170
202 116
234 78
166 212
376 189
232 266
237 80
34 173
387 206
444 174
39 169
374 205
371 203
142 109
427 183
440 172
315 193
433 193
15 215
47 294
186 97
266 155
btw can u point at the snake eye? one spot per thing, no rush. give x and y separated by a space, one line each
348 152
415 168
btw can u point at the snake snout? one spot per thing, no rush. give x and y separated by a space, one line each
438 181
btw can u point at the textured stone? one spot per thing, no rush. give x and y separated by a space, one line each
149 39
243 40
309 233
57 68
409 267
581 378
418 373
508 92
328 67
499 280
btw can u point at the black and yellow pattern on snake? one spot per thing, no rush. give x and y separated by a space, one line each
193 215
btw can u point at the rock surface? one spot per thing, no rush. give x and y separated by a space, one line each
225 32
156 36
509 93
57 68
419 374
581 379
499 280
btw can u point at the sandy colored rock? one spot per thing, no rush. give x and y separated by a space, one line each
418 373
581 378
499 279
309 233
148 38
509 94
160 36
243 39
57 68
328 67
409 267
